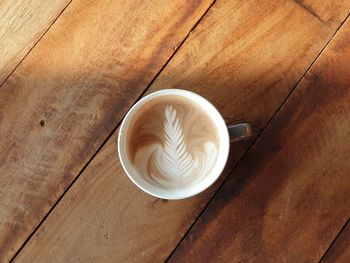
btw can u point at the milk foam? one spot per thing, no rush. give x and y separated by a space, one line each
172 142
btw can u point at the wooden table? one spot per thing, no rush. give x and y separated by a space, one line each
70 70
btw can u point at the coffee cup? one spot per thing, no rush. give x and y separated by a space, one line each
174 144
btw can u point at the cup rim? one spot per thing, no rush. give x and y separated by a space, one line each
224 146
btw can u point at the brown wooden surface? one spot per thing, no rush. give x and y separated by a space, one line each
244 56
69 93
22 23
339 252
289 198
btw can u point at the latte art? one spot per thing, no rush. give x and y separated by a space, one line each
174 143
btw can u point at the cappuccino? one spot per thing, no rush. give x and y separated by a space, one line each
172 142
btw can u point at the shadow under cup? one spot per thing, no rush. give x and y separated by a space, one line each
173 144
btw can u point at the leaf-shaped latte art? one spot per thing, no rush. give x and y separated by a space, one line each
176 145
175 161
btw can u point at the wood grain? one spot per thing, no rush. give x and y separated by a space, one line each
64 100
324 11
289 198
339 252
244 56
22 23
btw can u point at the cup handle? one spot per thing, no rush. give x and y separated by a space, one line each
239 131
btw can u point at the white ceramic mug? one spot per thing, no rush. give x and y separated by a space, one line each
225 134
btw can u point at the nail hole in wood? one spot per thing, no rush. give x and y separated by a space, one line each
42 123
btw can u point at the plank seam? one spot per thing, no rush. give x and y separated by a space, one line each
30 50
256 139
335 239
109 136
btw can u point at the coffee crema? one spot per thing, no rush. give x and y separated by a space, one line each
172 142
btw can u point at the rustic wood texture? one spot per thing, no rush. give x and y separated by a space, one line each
22 23
339 252
69 93
289 197
325 11
244 56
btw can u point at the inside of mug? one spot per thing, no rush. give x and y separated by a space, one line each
173 144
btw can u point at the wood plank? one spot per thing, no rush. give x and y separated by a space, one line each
104 217
64 100
22 24
339 252
289 197
326 12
